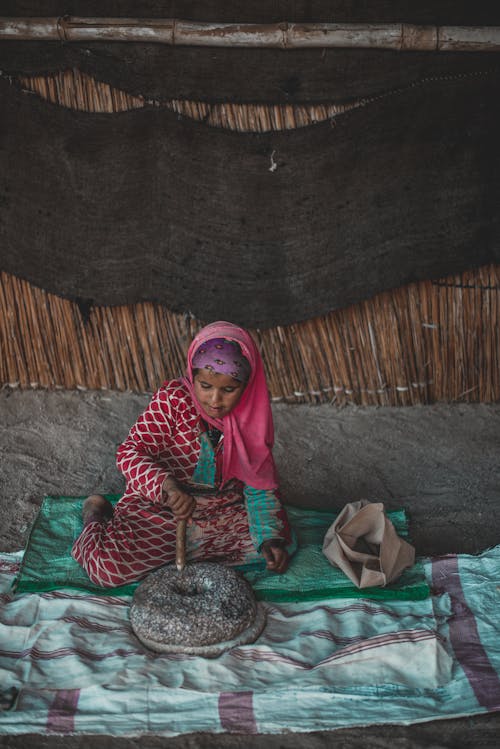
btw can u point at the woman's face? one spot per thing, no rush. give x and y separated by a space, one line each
217 393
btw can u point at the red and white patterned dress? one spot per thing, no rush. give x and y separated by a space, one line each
169 439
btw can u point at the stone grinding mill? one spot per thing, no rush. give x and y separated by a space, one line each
202 608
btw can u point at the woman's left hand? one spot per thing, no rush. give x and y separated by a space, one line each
275 555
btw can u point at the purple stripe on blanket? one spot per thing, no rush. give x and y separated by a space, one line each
236 712
362 646
61 716
464 635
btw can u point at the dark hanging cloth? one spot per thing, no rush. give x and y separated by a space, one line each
450 12
268 76
261 229
213 74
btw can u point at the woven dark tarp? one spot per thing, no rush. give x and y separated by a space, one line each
266 11
145 205
240 75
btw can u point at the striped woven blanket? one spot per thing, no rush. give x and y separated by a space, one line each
69 662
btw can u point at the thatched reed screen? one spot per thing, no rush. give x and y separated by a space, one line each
425 342
418 344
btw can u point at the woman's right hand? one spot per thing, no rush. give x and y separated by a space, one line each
181 503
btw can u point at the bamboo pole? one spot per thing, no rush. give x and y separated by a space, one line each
401 37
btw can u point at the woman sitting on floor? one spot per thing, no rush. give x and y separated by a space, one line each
214 428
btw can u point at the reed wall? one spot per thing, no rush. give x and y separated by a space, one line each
429 341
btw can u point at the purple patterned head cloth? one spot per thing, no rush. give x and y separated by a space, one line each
223 357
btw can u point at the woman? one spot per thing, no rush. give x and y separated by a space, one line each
202 451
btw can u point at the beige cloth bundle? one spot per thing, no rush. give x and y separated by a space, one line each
364 544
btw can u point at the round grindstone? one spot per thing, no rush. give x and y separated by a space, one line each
203 610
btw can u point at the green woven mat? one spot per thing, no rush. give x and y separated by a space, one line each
47 563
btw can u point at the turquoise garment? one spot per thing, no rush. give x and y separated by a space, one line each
264 523
204 473
262 505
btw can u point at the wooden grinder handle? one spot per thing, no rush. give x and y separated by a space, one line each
180 545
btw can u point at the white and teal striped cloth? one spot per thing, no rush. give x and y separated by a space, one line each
69 662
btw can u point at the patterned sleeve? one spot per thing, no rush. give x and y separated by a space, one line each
138 456
266 516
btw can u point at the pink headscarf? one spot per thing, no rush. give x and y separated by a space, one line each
248 428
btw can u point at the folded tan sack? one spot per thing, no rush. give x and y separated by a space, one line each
364 544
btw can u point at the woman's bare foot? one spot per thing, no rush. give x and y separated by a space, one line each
96 508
